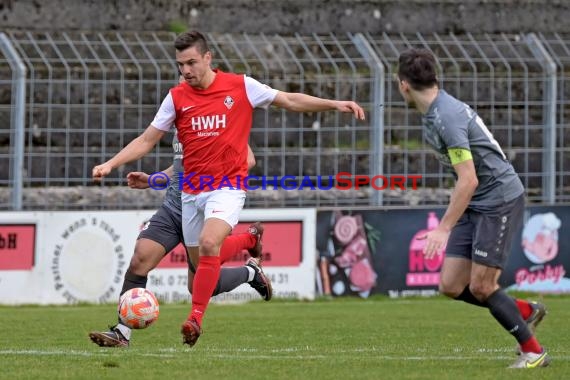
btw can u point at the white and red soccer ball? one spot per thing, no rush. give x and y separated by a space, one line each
138 308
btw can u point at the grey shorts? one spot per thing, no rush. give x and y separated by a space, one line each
165 228
486 237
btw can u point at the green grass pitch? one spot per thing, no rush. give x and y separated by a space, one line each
375 338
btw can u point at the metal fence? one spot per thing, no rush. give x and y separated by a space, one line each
69 101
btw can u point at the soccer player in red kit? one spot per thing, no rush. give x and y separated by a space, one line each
213 113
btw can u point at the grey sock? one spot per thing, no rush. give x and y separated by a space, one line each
231 278
506 312
132 281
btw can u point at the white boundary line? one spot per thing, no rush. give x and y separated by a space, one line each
231 354
72 353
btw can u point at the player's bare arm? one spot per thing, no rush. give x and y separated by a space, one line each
135 150
250 158
461 195
294 101
139 180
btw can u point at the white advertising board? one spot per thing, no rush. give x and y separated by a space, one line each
71 257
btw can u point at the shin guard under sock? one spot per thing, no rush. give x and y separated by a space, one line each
205 281
506 312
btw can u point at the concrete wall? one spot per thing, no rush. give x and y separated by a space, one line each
286 17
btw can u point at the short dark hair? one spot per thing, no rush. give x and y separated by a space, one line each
190 39
418 68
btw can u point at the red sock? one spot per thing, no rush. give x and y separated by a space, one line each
531 345
524 308
234 244
205 281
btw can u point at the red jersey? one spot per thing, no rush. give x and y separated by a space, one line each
213 126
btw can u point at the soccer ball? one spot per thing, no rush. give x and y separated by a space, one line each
138 308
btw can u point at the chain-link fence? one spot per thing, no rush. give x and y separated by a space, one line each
69 101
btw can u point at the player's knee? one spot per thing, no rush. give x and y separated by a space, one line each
208 247
481 290
450 289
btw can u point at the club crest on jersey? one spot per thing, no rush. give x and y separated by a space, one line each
229 102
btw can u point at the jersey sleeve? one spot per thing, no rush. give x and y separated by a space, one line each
454 130
258 94
164 118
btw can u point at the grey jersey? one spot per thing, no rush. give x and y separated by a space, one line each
173 193
450 123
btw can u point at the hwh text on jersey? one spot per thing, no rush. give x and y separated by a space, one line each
200 123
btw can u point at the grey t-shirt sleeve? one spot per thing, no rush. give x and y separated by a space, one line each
454 129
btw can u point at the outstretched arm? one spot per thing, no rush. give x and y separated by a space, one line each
132 152
298 102
139 180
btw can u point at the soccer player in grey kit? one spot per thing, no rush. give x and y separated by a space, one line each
485 209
